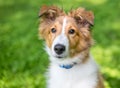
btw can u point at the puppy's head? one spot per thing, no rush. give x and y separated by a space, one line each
66 35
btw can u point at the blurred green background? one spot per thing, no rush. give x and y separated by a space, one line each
23 60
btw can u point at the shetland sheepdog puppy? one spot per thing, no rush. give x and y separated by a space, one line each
68 40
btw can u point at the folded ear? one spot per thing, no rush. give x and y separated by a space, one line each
50 12
82 17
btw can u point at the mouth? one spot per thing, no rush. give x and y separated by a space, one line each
60 56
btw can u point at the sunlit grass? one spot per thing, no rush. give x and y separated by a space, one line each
22 80
96 2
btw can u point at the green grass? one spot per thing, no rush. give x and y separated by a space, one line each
23 61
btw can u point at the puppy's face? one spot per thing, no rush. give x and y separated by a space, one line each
66 35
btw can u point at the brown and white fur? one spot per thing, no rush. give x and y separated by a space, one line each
68 41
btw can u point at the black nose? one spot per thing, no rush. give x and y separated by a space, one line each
59 49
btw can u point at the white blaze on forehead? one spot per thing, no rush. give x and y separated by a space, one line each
62 38
64 25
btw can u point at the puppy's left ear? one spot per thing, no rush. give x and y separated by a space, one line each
49 13
83 17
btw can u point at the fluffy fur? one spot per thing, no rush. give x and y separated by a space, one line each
73 35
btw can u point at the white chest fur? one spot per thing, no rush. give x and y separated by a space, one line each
80 76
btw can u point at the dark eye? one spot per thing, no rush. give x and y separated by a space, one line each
53 30
71 31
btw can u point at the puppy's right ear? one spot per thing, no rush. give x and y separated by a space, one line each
83 17
49 13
